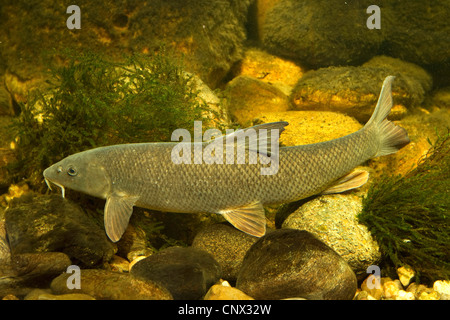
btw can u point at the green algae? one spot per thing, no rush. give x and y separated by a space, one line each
410 216
92 101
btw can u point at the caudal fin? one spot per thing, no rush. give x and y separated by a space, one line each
391 137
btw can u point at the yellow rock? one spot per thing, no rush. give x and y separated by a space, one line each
307 127
247 97
391 289
374 292
433 295
224 291
403 295
405 274
283 74
119 264
443 288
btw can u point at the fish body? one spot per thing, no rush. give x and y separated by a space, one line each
145 174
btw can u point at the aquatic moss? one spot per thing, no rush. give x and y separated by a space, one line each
92 101
410 215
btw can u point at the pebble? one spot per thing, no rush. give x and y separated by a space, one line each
405 275
223 291
433 295
443 288
403 295
391 288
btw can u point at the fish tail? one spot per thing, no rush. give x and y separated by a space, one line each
391 137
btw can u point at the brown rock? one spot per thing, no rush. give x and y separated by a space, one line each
108 285
355 90
248 97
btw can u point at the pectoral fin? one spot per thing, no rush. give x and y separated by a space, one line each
118 210
354 179
249 219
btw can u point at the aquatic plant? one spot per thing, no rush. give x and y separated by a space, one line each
92 101
410 215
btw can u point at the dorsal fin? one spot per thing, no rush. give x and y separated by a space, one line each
258 140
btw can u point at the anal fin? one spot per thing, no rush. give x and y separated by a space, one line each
118 210
354 179
249 219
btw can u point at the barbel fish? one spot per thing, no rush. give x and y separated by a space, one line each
145 175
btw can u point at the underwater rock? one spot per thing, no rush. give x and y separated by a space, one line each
224 291
443 288
6 157
5 251
216 114
109 285
51 223
227 245
440 98
247 97
333 220
259 64
6 106
355 90
405 275
40 294
133 243
307 127
26 271
319 34
418 32
207 35
187 273
291 263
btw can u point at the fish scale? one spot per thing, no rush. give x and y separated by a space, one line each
146 174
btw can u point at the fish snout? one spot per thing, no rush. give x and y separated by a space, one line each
49 177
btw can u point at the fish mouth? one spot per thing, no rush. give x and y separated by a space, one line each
48 183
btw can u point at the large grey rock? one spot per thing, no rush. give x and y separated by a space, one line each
54 224
318 33
418 32
290 263
187 273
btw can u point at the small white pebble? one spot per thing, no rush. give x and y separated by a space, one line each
443 288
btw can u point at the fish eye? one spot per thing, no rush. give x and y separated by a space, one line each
71 171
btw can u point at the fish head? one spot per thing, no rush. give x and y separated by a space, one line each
80 172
